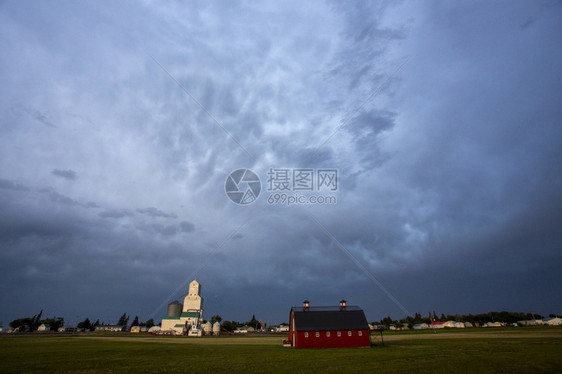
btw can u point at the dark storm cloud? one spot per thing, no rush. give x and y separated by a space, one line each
65 174
441 118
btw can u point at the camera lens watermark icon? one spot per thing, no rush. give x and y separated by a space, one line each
242 186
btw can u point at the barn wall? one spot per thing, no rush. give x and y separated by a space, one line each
291 337
333 341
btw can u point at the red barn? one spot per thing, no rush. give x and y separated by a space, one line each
328 327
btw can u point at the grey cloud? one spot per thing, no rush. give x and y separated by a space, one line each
155 213
9 185
65 174
59 198
157 228
186 226
167 230
116 213
35 114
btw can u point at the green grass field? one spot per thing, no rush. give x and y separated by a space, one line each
523 351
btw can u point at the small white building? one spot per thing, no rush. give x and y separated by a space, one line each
282 328
154 329
242 330
437 325
66 329
453 325
44 327
111 328
531 322
195 331
420 326
556 321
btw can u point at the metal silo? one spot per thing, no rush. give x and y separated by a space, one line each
174 309
216 328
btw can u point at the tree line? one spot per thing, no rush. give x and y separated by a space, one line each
123 321
503 316
233 325
33 323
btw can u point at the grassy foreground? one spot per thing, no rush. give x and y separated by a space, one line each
134 353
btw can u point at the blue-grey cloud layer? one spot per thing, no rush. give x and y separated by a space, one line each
443 120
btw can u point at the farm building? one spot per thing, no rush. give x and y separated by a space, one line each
44 327
556 321
437 325
112 328
186 318
154 329
420 326
328 327
453 325
282 328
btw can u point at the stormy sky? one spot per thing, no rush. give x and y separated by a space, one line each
121 121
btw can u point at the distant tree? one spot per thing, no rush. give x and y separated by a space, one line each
230 325
135 321
216 318
254 322
149 323
503 316
54 323
387 321
35 321
94 325
85 324
30 324
21 322
123 320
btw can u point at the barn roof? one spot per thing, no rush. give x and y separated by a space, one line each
329 318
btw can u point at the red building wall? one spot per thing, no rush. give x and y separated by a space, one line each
320 339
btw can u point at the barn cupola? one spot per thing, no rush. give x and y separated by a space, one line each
343 305
306 304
